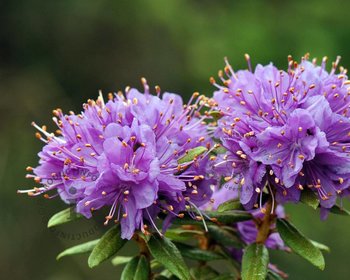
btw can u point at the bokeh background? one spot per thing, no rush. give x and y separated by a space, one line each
60 53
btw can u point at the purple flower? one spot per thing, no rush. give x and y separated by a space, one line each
124 154
284 131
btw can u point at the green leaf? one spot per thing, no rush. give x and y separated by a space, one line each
321 246
166 273
203 273
109 244
299 243
78 249
336 209
187 220
165 252
197 254
310 198
142 271
254 262
216 115
219 150
180 234
63 217
224 237
129 270
136 269
192 154
232 204
229 217
155 264
118 260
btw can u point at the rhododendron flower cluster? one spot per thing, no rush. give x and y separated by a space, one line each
285 131
130 146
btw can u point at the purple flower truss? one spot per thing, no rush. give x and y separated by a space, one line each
284 131
124 154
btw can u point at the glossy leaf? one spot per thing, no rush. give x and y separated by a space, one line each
197 254
180 234
119 260
63 217
142 270
299 243
79 249
192 154
224 237
228 217
165 252
109 244
232 204
130 269
310 198
254 262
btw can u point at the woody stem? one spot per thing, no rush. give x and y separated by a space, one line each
142 245
264 227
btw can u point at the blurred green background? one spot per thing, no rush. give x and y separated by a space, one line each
60 53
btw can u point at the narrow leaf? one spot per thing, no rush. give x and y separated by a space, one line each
224 237
78 249
197 254
310 198
63 217
129 270
232 204
118 260
192 154
229 217
165 252
299 243
142 271
109 244
254 262
180 234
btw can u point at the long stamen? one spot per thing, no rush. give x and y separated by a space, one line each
152 222
200 214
